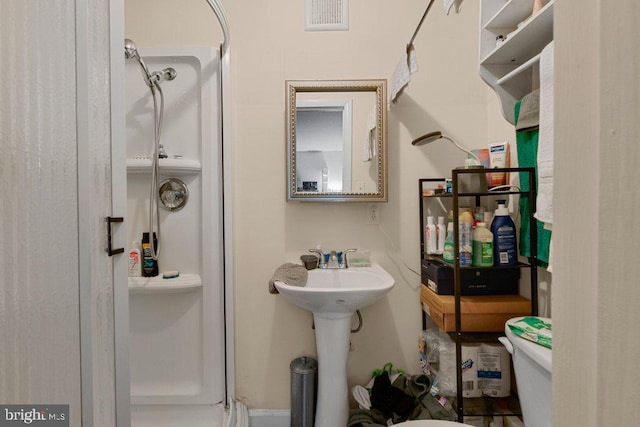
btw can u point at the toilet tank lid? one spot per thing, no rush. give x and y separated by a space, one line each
541 355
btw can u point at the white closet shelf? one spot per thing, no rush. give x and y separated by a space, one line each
511 68
158 285
525 42
142 166
512 13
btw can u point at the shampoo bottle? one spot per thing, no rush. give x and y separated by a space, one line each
448 250
465 225
431 236
134 260
149 265
505 250
441 235
482 246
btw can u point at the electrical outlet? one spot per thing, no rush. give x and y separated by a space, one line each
373 214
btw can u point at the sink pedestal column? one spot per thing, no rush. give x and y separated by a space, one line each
332 343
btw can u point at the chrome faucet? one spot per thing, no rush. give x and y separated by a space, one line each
344 262
332 260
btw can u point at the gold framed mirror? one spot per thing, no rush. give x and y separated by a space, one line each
336 140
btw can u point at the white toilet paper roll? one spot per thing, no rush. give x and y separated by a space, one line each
494 371
470 384
469 365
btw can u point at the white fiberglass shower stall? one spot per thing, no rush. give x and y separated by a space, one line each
177 325
75 120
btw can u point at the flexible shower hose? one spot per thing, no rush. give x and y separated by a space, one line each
158 113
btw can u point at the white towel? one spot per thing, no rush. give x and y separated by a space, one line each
448 4
370 138
407 65
544 199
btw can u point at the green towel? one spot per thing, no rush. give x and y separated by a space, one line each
527 144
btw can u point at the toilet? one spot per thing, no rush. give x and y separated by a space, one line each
532 366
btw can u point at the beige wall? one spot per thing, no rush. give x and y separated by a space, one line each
269 46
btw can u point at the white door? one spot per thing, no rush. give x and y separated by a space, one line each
59 301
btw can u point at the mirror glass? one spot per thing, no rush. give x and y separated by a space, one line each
337 140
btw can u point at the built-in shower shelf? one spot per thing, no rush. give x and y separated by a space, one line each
142 166
158 285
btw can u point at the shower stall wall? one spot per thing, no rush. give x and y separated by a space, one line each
177 326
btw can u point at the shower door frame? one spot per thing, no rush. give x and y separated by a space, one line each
119 204
119 175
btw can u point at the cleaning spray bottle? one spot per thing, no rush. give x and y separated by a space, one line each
465 225
505 249
448 249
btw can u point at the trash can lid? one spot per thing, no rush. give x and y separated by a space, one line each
304 365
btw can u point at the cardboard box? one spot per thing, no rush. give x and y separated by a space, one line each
482 313
438 276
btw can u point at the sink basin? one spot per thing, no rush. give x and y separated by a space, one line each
339 291
333 296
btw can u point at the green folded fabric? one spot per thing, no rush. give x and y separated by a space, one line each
365 418
527 146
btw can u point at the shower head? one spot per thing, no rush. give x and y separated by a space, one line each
130 49
152 79
131 52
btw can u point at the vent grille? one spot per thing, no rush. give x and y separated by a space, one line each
326 15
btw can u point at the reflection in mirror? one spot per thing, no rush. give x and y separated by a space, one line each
323 150
337 140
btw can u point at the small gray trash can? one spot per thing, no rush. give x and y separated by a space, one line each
304 374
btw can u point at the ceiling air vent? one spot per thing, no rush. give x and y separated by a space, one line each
326 15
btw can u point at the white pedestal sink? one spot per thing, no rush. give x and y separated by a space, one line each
333 296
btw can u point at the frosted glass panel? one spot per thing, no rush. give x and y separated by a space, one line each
39 355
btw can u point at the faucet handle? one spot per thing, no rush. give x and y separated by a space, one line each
343 260
321 258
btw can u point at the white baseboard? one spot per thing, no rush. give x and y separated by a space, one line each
269 417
